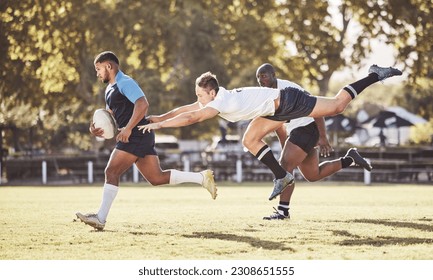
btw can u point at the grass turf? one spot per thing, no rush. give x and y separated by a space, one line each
329 222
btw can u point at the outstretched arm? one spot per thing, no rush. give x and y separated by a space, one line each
183 119
175 112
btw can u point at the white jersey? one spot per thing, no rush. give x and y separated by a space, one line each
245 103
282 84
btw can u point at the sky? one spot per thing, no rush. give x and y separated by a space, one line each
382 55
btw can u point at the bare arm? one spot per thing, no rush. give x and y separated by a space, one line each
183 119
324 146
140 108
175 112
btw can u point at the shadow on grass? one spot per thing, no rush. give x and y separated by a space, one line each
423 227
143 233
254 242
384 240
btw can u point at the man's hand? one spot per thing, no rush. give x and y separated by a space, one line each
98 132
149 127
123 135
325 148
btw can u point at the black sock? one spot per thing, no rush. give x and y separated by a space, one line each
357 87
346 162
284 206
266 156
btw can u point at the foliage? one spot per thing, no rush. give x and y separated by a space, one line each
47 77
422 133
407 26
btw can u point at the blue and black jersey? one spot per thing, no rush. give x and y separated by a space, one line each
121 96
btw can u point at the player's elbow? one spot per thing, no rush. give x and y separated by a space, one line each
193 118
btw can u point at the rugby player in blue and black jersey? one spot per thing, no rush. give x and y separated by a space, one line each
128 105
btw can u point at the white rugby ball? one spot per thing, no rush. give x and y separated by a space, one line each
103 119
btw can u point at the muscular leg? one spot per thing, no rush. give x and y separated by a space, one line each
253 141
329 106
313 171
291 157
150 168
257 129
118 163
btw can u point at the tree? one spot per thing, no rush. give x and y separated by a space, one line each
47 77
407 25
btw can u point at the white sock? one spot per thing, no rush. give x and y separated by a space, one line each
108 196
179 177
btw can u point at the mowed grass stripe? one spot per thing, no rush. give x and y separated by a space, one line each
329 221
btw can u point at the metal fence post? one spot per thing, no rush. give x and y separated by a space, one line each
90 172
134 173
367 175
44 172
239 170
186 163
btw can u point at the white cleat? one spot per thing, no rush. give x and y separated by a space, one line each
91 220
209 182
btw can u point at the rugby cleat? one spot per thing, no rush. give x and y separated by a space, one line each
281 184
209 182
91 220
358 159
277 215
384 72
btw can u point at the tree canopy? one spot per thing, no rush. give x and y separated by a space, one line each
48 82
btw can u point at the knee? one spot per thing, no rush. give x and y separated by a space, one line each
110 174
285 163
340 108
246 141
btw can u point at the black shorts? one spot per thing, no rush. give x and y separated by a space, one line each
139 144
294 103
305 137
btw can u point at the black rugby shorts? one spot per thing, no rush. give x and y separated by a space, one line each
294 103
305 137
139 144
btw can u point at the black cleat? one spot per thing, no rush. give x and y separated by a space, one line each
358 159
277 216
384 72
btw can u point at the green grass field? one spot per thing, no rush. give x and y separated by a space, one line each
329 222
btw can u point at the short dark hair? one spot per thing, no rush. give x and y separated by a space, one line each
265 68
208 81
106 56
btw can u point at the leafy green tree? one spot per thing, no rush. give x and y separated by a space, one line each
407 25
48 86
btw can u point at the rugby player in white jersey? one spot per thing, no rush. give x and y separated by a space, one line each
268 108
